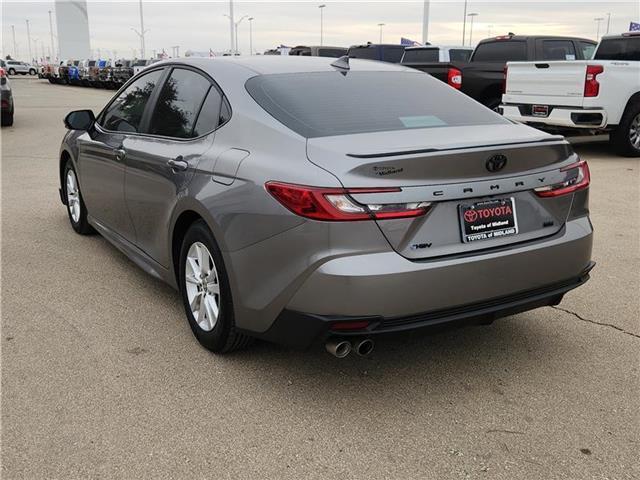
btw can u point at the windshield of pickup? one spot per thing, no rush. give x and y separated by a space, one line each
320 104
622 48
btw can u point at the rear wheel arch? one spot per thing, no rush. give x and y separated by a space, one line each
633 100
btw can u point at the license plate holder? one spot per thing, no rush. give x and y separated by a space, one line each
489 219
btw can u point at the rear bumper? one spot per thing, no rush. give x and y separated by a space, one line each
398 294
563 117
300 330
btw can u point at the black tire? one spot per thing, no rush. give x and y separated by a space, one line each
621 137
12 71
7 119
32 72
52 80
81 226
223 337
494 104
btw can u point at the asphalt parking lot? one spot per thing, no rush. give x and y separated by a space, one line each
102 378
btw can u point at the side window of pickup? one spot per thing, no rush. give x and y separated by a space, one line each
587 50
501 51
558 50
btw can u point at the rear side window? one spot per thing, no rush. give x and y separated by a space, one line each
125 112
501 51
178 104
328 103
364 53
458 55
626 48
392 54
209 117
558 50
421 55
587 49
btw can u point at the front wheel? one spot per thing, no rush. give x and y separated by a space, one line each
206 292
625 139
32 72
75 205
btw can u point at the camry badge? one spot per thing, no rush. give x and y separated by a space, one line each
496 163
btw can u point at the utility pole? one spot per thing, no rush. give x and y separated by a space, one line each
15 50
321 7
425 23
464 23
53 48
472 15
381 25
250 35
608 22
233 47
29 42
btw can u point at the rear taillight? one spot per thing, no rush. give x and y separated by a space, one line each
504 79
337 204
591 85
2 73
454 78
578 178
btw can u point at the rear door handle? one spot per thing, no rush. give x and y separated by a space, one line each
178 164
120 154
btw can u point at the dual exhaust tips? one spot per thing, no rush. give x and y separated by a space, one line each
340 348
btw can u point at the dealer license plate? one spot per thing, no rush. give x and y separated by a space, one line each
488 219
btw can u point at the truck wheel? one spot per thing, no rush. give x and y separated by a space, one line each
625 139
7 119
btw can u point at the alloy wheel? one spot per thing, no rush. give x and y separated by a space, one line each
634 132
202 286
73 196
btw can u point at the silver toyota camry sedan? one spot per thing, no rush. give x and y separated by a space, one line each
312 200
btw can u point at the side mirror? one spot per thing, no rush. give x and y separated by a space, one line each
79 120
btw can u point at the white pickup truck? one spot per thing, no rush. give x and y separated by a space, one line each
599 95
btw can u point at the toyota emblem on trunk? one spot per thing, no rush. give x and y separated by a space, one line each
496 163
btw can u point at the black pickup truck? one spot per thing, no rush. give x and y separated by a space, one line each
482 77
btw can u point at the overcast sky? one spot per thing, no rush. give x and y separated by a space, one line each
202 25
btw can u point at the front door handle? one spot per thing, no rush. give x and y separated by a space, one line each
178 164
120 154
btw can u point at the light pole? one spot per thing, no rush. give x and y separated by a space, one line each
472 15
598 20
232 48
381 25
29 42
53 49
250 35
464 23
489 30
608 22
141 32
425 23
236 31
321 7
15 50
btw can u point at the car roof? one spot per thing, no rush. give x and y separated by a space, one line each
502 38
273 64
433 47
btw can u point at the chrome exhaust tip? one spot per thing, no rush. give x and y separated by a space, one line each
364 347
338 347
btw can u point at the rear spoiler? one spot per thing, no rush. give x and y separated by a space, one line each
553 138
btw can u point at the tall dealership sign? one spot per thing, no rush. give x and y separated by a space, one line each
72 23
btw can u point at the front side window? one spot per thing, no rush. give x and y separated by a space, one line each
501 51
558 50
587 50
125 112
179 103
322 104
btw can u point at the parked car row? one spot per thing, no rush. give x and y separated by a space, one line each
94 73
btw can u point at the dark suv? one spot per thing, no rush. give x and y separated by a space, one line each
381 52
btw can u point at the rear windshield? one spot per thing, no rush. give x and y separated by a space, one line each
368 53
619 49
323 104
458 55
392 54
421 55
501 51
332 52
